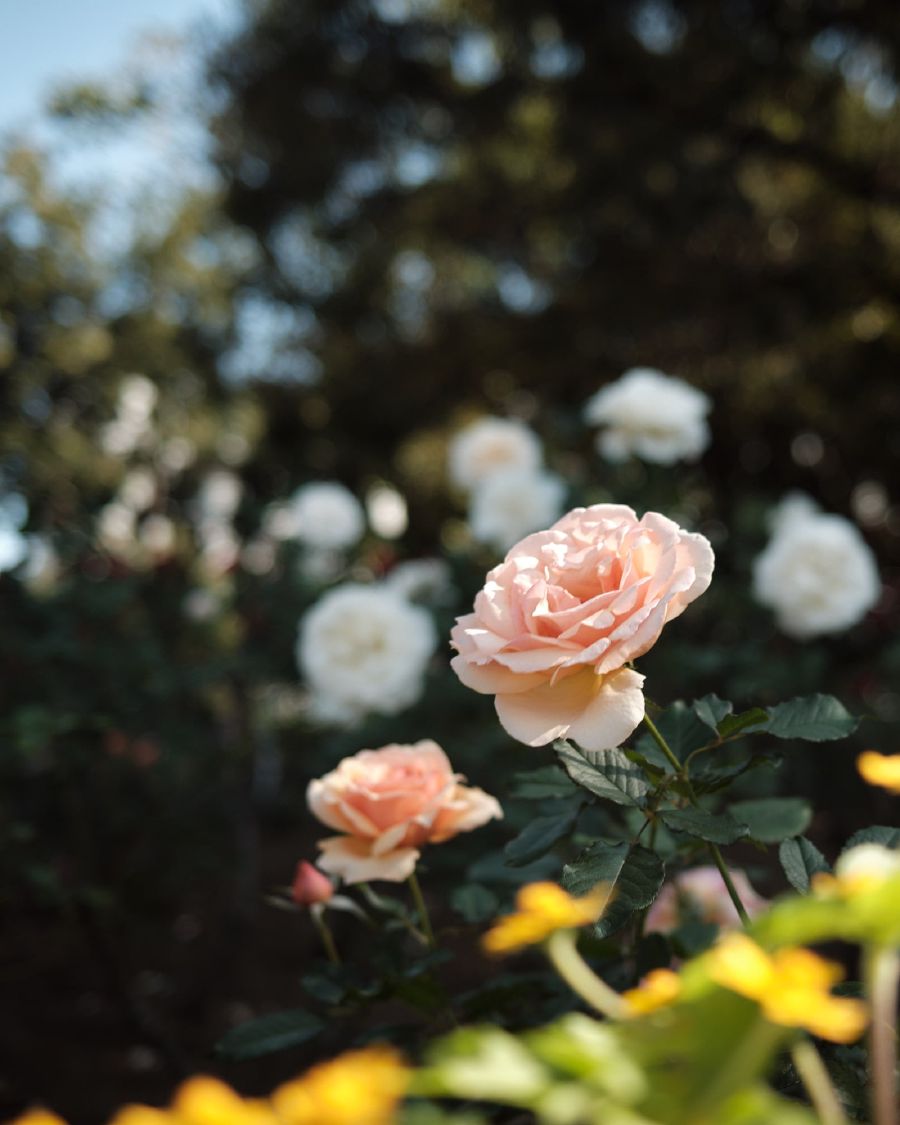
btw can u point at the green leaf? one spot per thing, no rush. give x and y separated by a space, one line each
539 836
714 778
814 718
800 860
773 819
717 828
268 1034
474 902
711 710
681 729
749 722
877 834
606 773
548 781
633 872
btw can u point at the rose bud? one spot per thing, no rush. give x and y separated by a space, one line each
310 885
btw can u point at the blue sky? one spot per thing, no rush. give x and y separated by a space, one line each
44 43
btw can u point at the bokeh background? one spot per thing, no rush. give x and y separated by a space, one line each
263 244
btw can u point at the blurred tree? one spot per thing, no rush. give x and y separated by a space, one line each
507 204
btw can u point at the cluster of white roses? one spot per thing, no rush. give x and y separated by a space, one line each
498 462
817 572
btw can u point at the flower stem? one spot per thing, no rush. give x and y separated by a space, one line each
422 910
318 917
745 1063
818 1085
682 774
882 974
663 745
578 975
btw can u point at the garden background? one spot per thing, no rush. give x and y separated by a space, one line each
353 227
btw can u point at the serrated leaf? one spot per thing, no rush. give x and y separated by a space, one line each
749 722
268 1034
773 819
876 834
474 902
543 783
539 836
813 718
606 773
800 860
711 710
633 872
716 828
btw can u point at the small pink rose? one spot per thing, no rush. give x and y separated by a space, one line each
560 618
388 803
310 885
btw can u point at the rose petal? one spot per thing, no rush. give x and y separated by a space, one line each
603 709
351 858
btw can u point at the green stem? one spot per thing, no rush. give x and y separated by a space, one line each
318 917
692 797
663 745
578 975
882 974
818 1085
422 910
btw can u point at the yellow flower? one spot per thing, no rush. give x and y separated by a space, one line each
357 1088
38 1116
792 986
658 989
543 908
880 769
207 1101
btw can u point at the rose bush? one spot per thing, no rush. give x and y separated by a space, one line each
560 618
389 803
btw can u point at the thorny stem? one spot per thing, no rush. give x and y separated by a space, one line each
818 1085
882 974
318 917
579 976
713 848
422 910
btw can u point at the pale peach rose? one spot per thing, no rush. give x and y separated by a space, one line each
700 893
389 803
566 610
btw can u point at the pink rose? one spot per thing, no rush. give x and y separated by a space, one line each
389 802
310 885
700 892
566 610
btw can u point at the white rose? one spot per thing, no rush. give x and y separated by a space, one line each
817 573
327 516
489 445
650 415
363 648
867 864
510 504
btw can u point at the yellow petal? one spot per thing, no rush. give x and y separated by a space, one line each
880 769
357 1088
658 989
738 963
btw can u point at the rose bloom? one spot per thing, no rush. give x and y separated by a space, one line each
650 415
566 610
327 515
700 893
513 502
817 572
364 648
488 445
388 803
